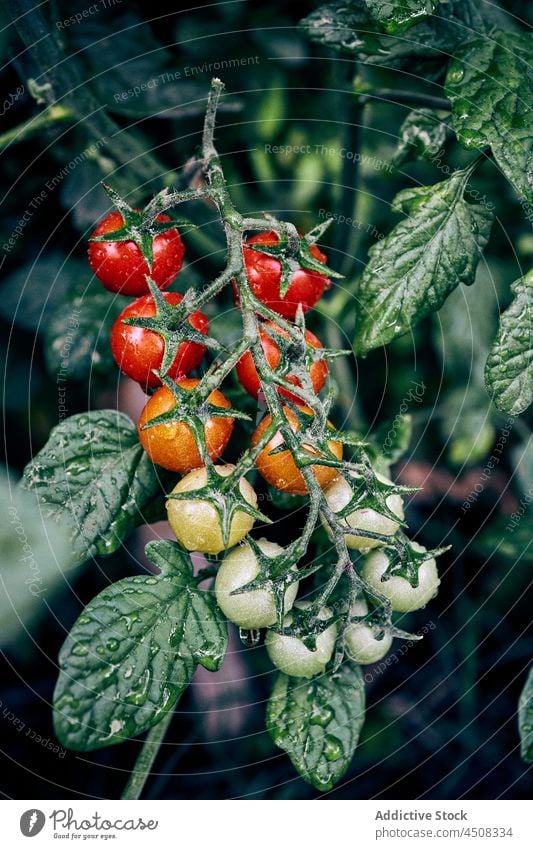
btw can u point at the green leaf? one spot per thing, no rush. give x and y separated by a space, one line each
396 16
422 135
490 85
94 476
133 651
412 270
349 28
525 719
318 722
77 337
509 369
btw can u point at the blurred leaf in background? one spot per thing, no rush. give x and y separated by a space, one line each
34 553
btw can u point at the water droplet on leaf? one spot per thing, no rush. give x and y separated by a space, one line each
332 748
139 694
321 715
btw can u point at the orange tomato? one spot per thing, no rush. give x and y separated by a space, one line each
173 445
280 470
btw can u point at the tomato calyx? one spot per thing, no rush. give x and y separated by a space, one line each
306 623
298 354
371 493
140 227
227 500
276 574
405 560
293 359
171 322
310 434
292 256
194 410
376 619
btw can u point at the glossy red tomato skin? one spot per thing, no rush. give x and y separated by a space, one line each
121 267
247 372
137 351
264 275
173 446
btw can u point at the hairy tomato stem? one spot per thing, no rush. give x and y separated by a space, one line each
146 758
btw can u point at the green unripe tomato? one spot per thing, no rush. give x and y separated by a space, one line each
359 607
292 657
257 608
361 643
196 523
338 496
360 640
403 597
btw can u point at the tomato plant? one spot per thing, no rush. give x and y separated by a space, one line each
403 594
293 657
365 644
319 392
385 520
186 425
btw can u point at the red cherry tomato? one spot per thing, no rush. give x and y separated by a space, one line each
280 470
173 445
137 351
264 275
121 267
247 371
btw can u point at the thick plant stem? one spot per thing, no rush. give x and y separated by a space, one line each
146 758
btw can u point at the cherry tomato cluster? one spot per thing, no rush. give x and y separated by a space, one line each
172 439
139 351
